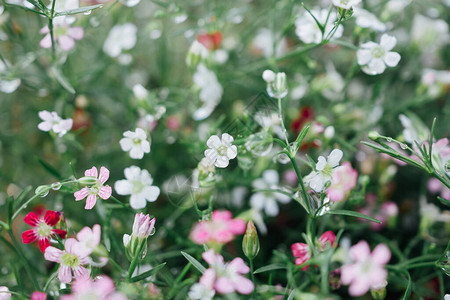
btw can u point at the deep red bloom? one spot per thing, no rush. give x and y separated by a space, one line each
211 40
43 229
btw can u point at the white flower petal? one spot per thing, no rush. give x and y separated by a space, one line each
391 59
387 42
227 139
271 207
123 187
335 157
363 56
151 193
222 162
213 142
321 163
126 144
137 202
375 66
271 177
232 152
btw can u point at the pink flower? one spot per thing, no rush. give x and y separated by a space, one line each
72 258
384 212
4 295
367 269
435 187
38 296
343 180
143 226
42 229
302 251
64 34
97 189
220 229
226 278
100 289
89 238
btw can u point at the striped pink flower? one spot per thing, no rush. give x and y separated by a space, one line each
97 189
71 259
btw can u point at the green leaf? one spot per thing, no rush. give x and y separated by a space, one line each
62 80
49 168
148 273
77 10
22 195
353 214
194 262
443 201
301 136
25 8
409 288
270 267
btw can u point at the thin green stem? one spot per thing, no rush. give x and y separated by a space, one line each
22 207
280 114
135 260
251 272
302 185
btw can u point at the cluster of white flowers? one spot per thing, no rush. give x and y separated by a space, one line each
54 123
120 38
210 91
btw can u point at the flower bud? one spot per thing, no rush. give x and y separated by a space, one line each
87 180
373 135
379 293
197 53
277 88
143 226
250 243
268 76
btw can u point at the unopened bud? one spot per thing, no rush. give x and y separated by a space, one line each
250 243
379 293
87 180
345 14
197 53
373 135
268 76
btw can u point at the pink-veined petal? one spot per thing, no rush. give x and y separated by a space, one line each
81 272
104 175
52 254
81 194
64 274
105 192
90 201
91 172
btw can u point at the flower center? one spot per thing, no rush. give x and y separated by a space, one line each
94 189
70 260
60 31
138 186
327 170
136 141
44 229
378 52
222 150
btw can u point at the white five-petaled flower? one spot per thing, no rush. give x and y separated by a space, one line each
309 32
345 4
135 142
324 170
375 57
267 200
53 122
121 37
365 19
138 184
221 151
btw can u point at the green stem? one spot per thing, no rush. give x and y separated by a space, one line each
24 261
302 185
22 207
280 114
251 272
135 260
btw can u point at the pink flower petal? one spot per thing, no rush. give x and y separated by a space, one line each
43 244
51 218
359 287
91 172
223 215
208 278
52 254
328 237
243 285
104 285
381 254
81 194
239 266
90 201
81 272
70 244
29 236
105 192
360 251
224 285
76 32
104 175
46 42
66 42
64 274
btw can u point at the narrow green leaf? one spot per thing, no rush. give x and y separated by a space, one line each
291 295
57 74
353 214
270 267
77 10
301 136
194 262
25 8
443 201
148 273
22 195
409 288
49 168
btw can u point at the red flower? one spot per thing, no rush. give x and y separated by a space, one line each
43 229
211 40
302 252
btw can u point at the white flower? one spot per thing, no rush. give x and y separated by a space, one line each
8 84
270 120
63 5
308 31
263 43
135 142
324 170
375 57
365 19
138 184
345 4
201 292
429 34
210 91
267 200
53 122
121 37
221 151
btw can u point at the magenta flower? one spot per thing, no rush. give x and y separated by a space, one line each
42 229
38 296
302 251
72 258
100 289
63 34
343 180
367 269
226 278
89 238
97 189
220 229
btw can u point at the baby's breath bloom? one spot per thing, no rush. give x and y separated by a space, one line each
120 38
52 122
345 4
324 170
375 57
135 142
220 150
210 91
